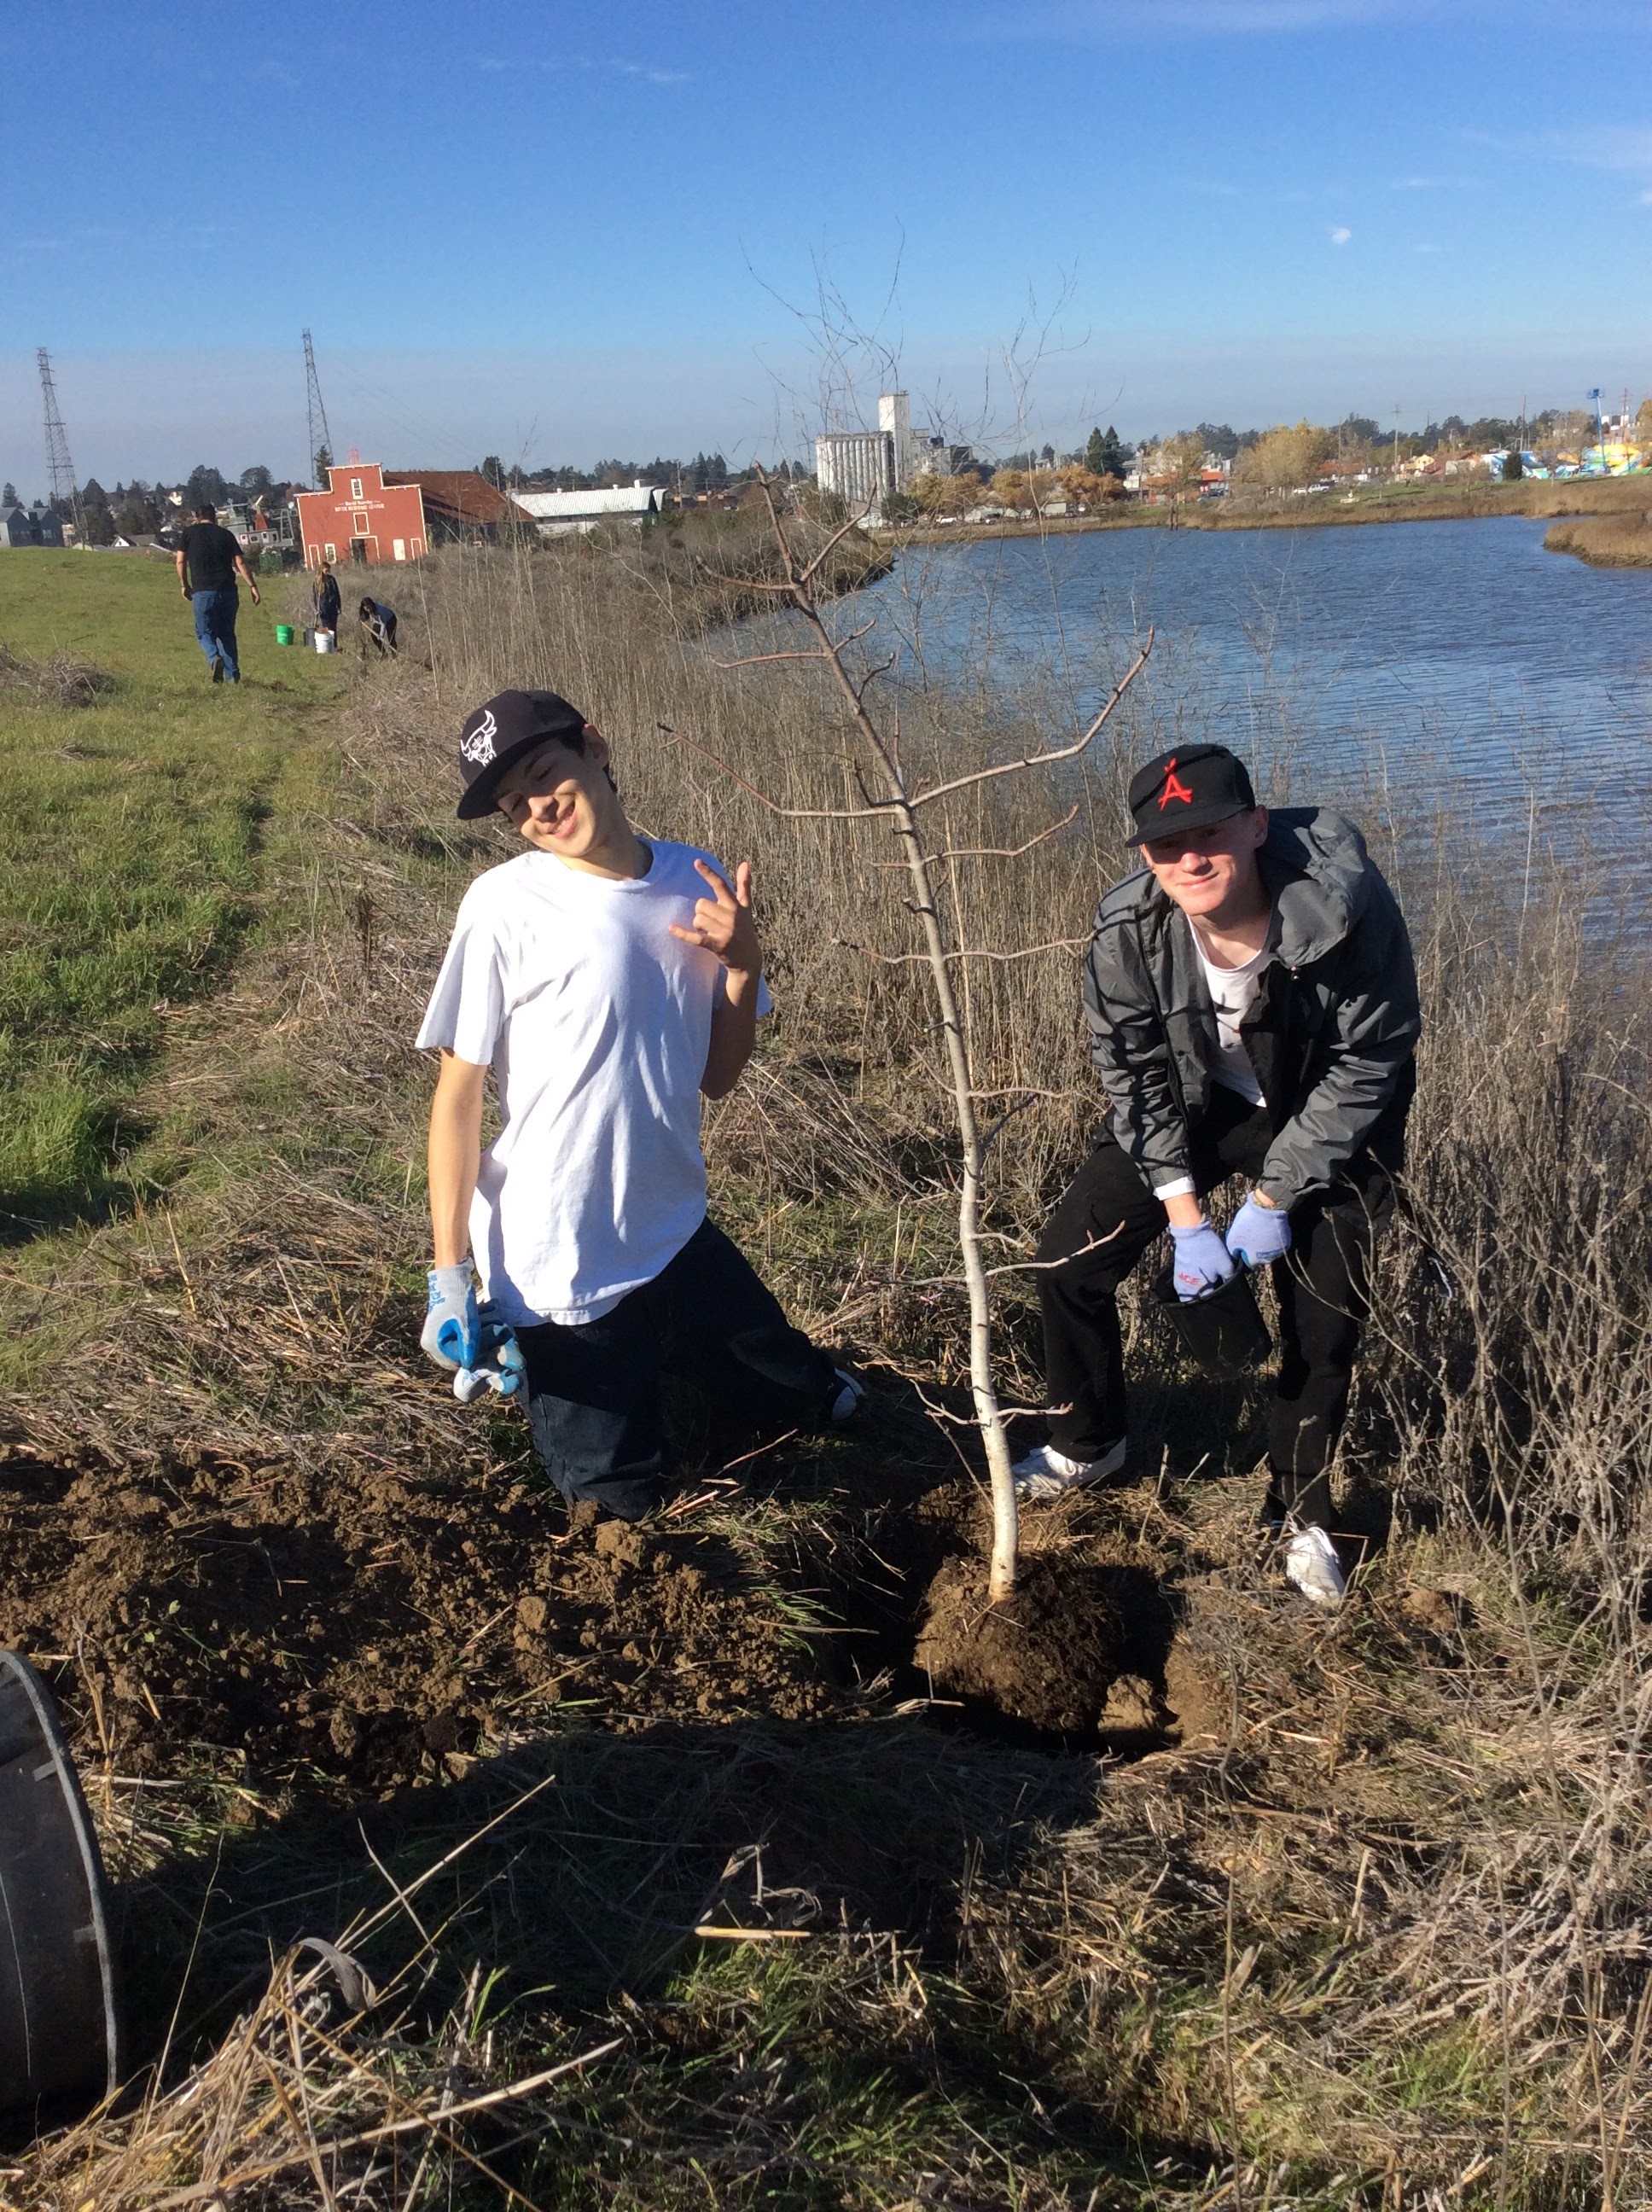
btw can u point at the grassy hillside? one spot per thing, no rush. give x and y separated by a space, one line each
137 802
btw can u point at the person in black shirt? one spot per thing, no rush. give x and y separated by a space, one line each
208 561
329 601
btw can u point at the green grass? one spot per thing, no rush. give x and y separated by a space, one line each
132 843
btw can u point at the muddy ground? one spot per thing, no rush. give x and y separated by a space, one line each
354 1622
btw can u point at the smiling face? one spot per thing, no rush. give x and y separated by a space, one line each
1213 873
562 802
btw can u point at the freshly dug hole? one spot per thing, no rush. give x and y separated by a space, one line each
1046 1658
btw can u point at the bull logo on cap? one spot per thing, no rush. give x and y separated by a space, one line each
477 744
1174 787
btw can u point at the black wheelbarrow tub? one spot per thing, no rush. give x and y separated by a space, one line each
59 2019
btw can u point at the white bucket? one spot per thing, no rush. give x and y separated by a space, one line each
325 641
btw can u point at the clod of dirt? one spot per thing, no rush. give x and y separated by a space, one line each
1049 1657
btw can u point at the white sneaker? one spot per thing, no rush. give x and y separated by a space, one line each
849 1399
1047 1473
1312 1564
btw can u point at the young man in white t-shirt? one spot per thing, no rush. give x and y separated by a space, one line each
608 980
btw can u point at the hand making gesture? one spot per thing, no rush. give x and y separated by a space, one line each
723 923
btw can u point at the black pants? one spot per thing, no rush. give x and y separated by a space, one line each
593 1391
1321 1285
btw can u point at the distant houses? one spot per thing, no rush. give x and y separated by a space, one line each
29 525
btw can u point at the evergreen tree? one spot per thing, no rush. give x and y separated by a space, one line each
9 496
1096 454
204 485
322 463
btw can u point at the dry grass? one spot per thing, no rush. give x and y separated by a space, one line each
1605 541
1375 1936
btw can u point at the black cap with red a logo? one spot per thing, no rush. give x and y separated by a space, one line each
1188 789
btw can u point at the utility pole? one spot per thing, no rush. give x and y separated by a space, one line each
320 435
59 468
1396 438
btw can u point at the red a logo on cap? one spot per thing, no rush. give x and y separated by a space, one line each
1174 787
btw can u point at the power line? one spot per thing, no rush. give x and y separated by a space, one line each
320 435
58 466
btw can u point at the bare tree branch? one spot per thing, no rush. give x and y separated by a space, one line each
966 953
1040 760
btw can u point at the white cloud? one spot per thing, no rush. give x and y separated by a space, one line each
1341 234
1436 185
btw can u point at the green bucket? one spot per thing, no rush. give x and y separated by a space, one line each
283 633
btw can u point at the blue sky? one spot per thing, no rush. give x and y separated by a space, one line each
566 230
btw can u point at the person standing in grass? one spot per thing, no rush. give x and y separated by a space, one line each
609 980
208 560
1252 1005
329 601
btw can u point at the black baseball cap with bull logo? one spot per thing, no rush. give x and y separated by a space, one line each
1188 789
499 731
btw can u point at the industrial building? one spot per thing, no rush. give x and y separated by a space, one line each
864 466
562 514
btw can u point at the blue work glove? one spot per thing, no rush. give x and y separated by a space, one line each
1259 1234
498 1365
453 1328
1202 1261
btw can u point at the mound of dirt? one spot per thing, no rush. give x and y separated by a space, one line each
353 1622
1060 1657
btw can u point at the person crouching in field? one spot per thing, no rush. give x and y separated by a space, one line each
1252 1005
609 980
377 624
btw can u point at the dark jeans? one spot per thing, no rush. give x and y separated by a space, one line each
1322 1286
215 626
594 1390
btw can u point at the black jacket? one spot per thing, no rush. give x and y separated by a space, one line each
1331 1036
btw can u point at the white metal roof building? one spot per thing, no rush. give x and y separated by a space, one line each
556 513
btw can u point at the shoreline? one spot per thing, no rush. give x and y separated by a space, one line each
1621 503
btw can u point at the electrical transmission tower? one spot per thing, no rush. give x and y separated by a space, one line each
320 435
60 468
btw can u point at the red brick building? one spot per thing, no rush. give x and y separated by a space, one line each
372 516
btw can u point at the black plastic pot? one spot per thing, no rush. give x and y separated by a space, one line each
59 2019
1223 1331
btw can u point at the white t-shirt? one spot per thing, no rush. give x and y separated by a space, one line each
596 1022
1232 991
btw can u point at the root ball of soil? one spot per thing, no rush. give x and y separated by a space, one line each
1046 1658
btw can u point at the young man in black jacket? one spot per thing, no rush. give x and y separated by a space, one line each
1252 1004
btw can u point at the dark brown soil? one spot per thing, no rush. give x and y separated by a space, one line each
354 1623
1046 1657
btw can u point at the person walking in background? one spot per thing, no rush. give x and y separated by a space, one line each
378 622
208 560
1252 1004
329 601
610 982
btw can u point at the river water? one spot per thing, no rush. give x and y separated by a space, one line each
1448 670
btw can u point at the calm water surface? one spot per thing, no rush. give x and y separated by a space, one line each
1407 666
